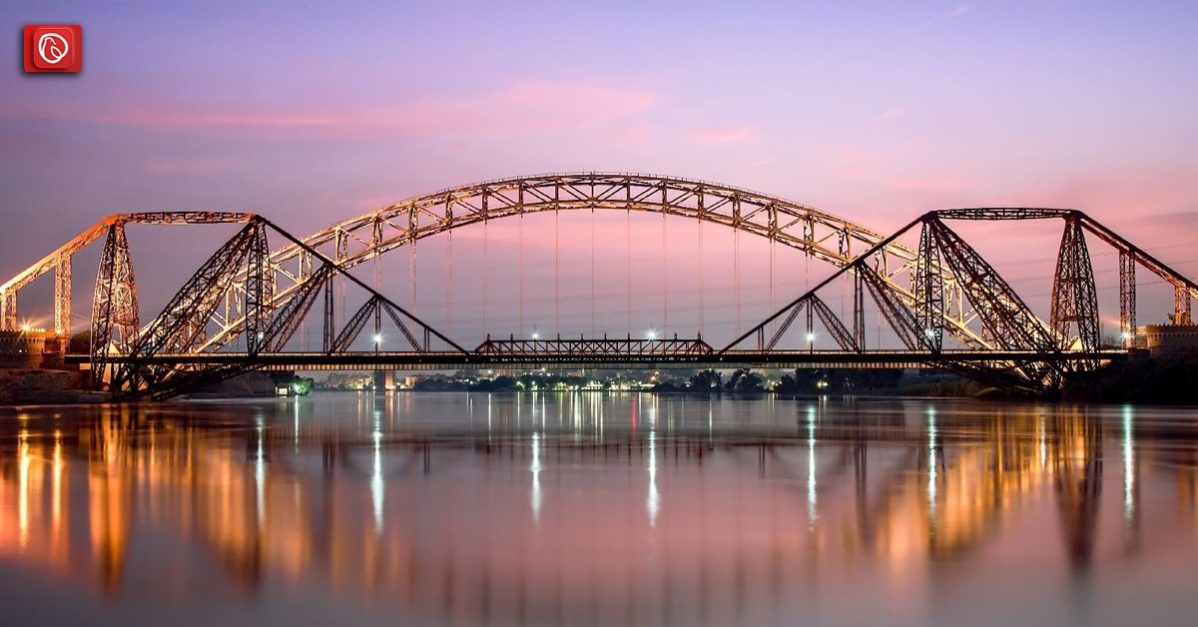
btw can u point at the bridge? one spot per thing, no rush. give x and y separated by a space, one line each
941 302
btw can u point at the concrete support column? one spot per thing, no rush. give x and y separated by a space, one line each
384 381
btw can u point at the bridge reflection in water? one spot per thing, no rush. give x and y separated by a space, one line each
581 508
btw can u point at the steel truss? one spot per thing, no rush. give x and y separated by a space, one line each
1185 291
183 324
603 349
915 313
821 235
1074 297
184 320
374 308
942 290
115 316
59 261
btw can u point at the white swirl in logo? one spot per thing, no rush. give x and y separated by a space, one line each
52 47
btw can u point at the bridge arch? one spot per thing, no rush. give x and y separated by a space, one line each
821 235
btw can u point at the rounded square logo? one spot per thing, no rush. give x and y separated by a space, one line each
53 47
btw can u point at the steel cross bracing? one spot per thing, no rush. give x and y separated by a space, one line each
821 235
115 314
184 322
1074 297
942 289
991 365
598 348
59 260
914 313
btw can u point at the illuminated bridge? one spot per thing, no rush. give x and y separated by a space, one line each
941 303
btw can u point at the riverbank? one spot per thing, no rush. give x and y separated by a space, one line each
1168 380
36 385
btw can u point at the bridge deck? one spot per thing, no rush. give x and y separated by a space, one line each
732 359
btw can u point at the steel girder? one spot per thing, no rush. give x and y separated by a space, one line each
62 297
59 260
184 320
1182 307
907 325
815 307
1185 291
374 307
929 290
115 315
8 310
597 348
816 233
1074 297
1006 318
795 309
258 288
915 315
847 341
352 328
901 318
1002 213
1127 298
192 310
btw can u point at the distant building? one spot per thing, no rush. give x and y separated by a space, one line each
31 348
1168 339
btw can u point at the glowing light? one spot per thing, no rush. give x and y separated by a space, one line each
535 468
377 487
260 471
1129 464
652 334
932 460
536 336
812 493
378 339
653 499
810 337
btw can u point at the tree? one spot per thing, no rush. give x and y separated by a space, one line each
80 343
745 380
706 381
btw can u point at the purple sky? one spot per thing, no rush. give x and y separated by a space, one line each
875 111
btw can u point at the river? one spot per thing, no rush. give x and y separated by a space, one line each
598 509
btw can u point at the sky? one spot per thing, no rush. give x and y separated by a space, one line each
874 111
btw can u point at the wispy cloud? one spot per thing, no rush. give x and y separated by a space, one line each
195 166
519 107
956 11
730 135
890 114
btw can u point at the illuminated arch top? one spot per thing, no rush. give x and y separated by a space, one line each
816 233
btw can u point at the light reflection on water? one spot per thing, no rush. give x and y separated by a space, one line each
592 509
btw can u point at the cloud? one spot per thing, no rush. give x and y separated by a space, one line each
630 133
890 114
519 107
198 166
957 11
730 135
760 163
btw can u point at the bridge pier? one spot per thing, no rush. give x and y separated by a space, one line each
384 381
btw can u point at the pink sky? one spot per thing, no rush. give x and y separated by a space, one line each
875 112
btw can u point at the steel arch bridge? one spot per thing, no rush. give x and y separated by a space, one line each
940 289
821 235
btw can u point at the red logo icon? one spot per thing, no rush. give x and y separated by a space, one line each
53 47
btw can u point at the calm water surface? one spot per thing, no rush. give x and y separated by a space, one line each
587 509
